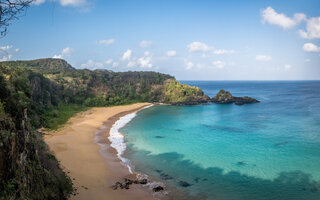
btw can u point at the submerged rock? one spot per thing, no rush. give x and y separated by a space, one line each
281 143
241 163
225 97
165 176
184 184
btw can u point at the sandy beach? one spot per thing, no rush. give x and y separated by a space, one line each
93 168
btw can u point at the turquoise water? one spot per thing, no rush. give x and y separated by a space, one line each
269 150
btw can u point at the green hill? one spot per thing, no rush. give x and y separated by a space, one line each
45 93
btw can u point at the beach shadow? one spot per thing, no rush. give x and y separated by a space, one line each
213 183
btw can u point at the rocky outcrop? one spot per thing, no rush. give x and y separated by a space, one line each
175 93
127 182
27 169
225 97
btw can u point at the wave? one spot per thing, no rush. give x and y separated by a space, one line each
117 139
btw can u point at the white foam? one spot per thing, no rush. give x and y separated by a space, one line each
117 139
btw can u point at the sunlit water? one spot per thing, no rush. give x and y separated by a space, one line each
269 150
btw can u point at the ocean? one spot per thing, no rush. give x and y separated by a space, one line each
264 151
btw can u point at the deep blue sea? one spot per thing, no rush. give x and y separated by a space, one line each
264 151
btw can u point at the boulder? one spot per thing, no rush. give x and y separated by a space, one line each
157 189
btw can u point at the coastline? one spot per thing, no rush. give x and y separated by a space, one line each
84 152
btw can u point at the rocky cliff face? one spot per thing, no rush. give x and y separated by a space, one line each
27 169
225 97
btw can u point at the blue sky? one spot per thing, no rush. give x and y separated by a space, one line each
192 40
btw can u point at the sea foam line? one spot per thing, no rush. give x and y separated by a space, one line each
117 139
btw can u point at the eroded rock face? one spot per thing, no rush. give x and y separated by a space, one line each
225 97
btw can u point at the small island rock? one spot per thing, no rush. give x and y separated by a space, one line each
225 97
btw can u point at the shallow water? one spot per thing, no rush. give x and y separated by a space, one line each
269 150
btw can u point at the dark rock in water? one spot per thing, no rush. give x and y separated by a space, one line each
241 163
127 183
205 179
196 179
158 136
314 189
281 143
158 188
158 170
184 184
178 129
225 97
165 176
143 181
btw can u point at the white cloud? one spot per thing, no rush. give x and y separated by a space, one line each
127 55
74 3
171 53
38 2
145 43
307 60
310 47
131 64
189 65
92 65
66 52
200 66
219 64
263 58
107 42
5 48
204 55
270 16
108 62
313 29
115 64
6 57
198 46
147 53
7 52
146 61
287 66
222 51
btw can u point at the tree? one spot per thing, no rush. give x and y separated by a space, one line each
10 10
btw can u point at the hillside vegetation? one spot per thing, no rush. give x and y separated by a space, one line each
46 93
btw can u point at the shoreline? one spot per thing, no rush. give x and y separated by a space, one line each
84 152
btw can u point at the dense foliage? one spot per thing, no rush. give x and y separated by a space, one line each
177 93
27 169
46 93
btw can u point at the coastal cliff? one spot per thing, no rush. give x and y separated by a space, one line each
46 93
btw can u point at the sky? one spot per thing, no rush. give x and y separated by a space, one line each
191 40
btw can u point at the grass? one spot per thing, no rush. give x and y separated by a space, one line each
58 116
